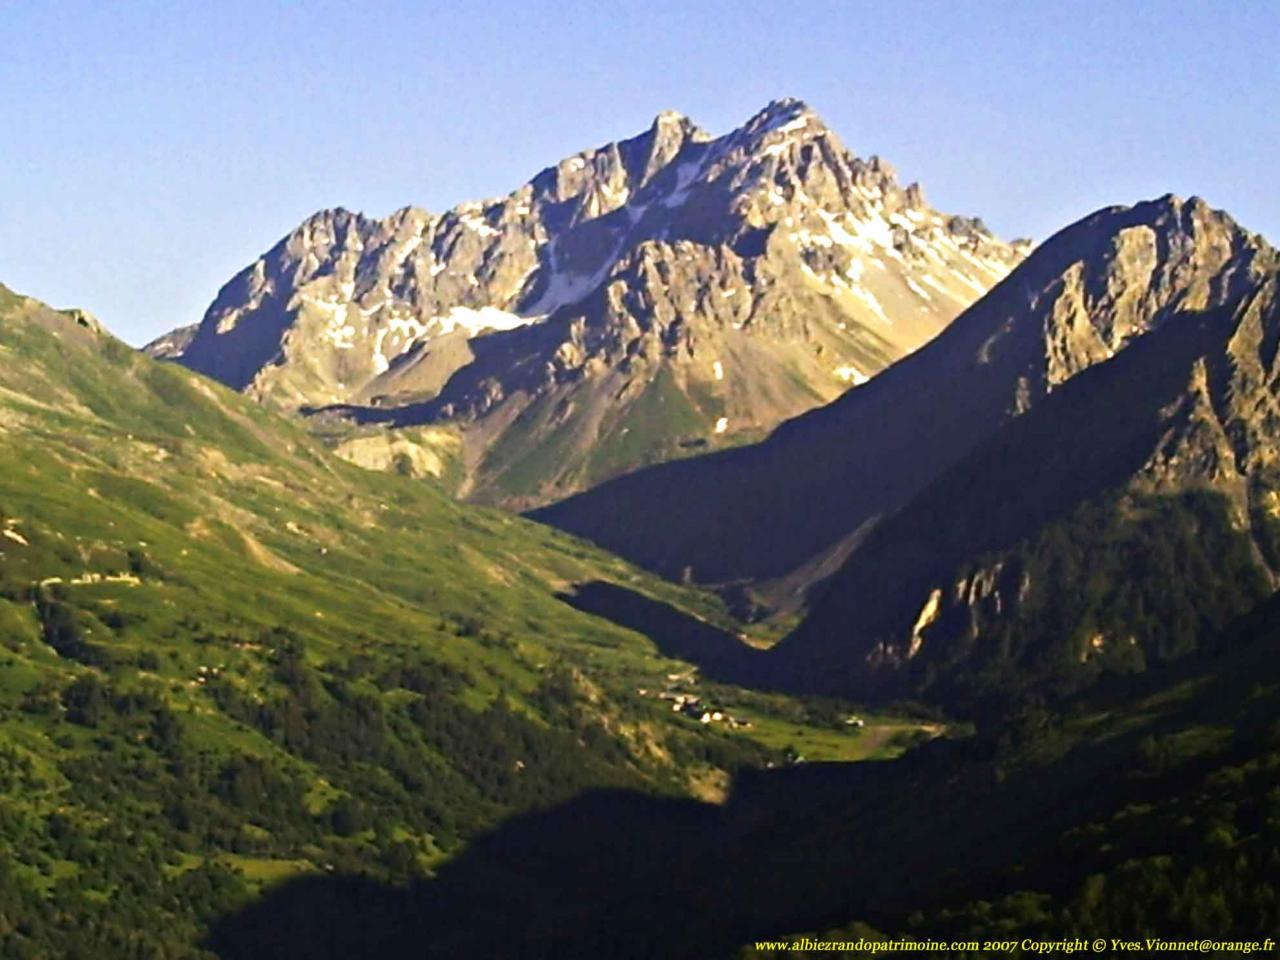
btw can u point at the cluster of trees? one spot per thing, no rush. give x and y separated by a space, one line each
369 764
1119 585
1189 861
1166 826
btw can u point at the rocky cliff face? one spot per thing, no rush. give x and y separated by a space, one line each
172 345
1125 271
662 295
1085 296
1118 521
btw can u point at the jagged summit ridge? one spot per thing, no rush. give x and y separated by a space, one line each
770 254
1086 295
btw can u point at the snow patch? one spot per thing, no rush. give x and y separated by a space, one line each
565 288
866 235
722 425
803 238
971 282
475 321
797 124
477 224
918 290
339 331
790 117
869 298
851 374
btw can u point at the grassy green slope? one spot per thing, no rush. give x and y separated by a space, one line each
227 657
1144 807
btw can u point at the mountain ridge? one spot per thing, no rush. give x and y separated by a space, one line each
1080 298
1130 512
737 280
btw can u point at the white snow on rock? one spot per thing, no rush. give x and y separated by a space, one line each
851 374
476 321
918 290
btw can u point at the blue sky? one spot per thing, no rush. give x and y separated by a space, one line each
151 150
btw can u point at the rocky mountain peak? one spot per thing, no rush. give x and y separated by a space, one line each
674 127
1171 434
774 140
1115 276
770 255
782 113
669 135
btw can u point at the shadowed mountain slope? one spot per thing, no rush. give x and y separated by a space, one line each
1129 512
1142 807
818 481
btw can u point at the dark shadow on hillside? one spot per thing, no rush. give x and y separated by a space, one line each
1085 442
516 356
608 874
616 874
720 655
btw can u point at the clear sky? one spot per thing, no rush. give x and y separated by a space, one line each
151 150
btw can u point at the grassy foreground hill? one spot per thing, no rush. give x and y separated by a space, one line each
228 657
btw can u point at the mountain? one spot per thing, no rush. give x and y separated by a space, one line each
228 657
663 295
173 344
809 494
1128 514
